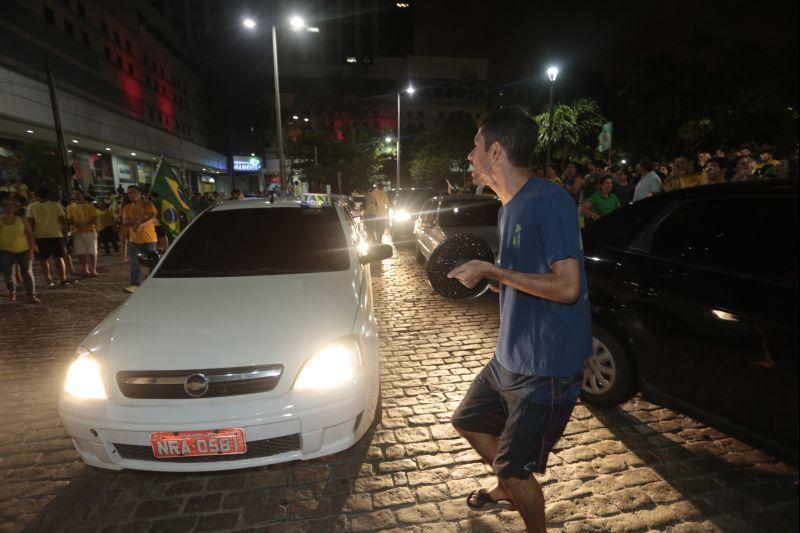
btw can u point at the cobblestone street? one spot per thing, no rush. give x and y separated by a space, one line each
637 468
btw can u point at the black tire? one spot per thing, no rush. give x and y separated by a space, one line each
608 376
419 255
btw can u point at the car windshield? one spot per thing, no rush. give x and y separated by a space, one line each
412 200
472 212
259 242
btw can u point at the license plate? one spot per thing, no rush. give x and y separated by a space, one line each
198 443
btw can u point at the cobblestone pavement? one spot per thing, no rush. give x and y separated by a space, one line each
636 468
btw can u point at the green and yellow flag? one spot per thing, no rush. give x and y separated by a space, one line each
169 198
604 139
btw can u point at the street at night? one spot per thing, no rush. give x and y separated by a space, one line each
416 266
636 468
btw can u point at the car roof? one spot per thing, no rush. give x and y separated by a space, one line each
255 203
731 189
451 198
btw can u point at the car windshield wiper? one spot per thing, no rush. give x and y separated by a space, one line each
265 271
191 272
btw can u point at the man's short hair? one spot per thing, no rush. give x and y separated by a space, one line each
720 161
136 187
43 193
647 164
613 168
514 128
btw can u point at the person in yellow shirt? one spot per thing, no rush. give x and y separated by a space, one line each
49 223
376 208
16 247
139 217
83 217
105 227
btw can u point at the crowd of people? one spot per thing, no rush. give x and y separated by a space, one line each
65 237
599 188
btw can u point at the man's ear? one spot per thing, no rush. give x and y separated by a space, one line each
495 152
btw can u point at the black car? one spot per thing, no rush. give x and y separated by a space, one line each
695 304
404 205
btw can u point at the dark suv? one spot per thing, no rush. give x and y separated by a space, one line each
695 304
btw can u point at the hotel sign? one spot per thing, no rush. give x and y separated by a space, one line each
246 164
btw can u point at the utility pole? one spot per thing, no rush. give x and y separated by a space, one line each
62 148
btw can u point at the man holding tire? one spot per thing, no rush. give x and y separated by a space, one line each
520 403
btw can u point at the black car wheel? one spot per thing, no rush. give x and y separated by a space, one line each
608 378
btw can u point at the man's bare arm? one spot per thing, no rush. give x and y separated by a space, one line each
562 284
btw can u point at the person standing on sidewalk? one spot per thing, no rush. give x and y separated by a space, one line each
139 217
83 217
48 220
105 227
518 406
16 248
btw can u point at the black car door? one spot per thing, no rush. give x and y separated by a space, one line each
718 286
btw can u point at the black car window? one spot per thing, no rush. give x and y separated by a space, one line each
756 237
620 228
258 242
465 213
428 213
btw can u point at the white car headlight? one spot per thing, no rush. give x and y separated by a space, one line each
402 215
83 378
331 366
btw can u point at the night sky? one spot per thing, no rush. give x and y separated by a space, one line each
521 37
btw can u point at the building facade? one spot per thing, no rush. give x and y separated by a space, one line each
126 89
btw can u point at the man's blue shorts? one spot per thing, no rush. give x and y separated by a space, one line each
528 413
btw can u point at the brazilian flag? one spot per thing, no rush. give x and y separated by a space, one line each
169 198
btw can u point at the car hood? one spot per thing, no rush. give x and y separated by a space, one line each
200 323
487 233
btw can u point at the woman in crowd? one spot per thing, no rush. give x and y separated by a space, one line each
601 203
16 247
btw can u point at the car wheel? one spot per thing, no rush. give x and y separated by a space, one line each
608 377
419 255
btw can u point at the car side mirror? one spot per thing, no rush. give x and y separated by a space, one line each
377 252
148 259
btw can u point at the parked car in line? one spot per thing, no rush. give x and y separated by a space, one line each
404 206
254 341
695 304
444 216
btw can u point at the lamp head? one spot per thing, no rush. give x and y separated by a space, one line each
552 73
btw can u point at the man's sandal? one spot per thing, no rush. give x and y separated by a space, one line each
483 500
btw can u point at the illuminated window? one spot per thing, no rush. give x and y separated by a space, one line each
352 59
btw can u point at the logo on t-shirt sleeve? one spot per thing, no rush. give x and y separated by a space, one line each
516 239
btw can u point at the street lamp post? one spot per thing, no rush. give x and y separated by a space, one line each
552 74
410 90
297 24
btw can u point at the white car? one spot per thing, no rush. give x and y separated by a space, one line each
253 342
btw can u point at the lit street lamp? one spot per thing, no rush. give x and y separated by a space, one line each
552 74
297 24
410 90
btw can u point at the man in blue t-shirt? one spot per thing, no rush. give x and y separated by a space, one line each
520 403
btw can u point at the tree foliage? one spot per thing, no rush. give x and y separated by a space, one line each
441 154
359 157
575 129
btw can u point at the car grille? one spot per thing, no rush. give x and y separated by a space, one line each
169 384
255 449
